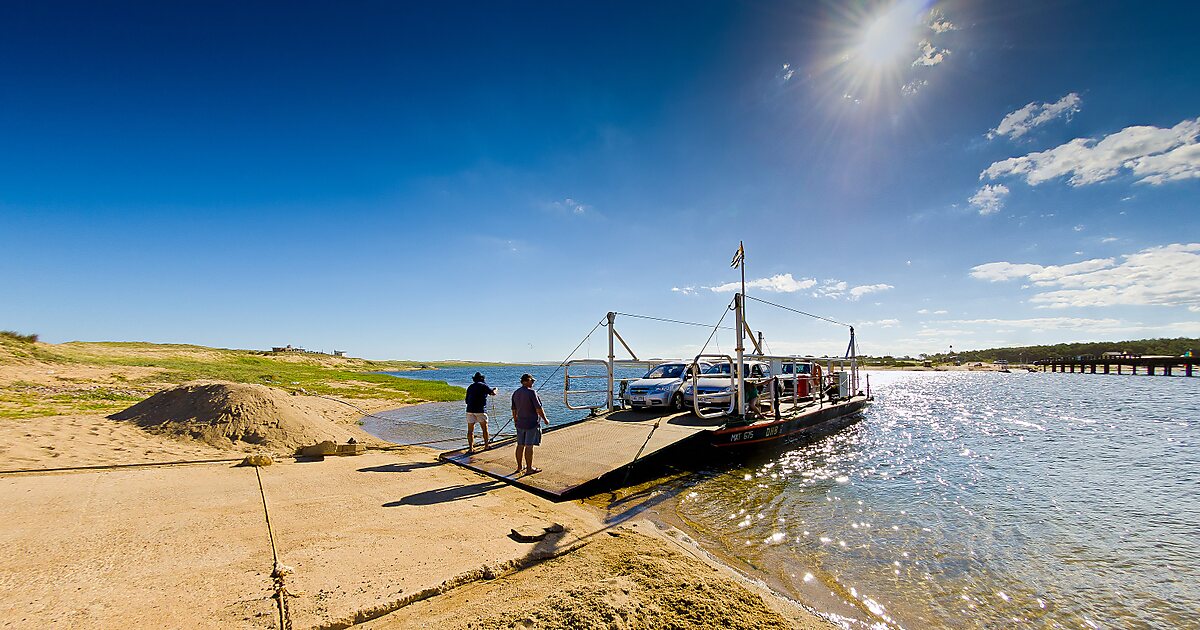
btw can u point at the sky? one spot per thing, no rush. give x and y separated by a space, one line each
486 180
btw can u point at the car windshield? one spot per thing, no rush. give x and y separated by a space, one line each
668 370
723 368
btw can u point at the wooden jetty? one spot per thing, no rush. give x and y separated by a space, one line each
585 453
1125 364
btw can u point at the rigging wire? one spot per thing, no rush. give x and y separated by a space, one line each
671 321
786 308
715 329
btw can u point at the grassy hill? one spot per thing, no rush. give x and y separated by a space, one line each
38 379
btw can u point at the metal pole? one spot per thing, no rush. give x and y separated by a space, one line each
612 318
741 348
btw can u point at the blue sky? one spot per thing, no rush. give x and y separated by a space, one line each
485 181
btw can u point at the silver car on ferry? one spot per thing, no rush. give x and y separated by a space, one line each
659 388
714 383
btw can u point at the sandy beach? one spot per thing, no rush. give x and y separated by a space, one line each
116 523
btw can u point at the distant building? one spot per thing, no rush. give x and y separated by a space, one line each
339 353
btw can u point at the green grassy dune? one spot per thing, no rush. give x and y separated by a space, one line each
87 377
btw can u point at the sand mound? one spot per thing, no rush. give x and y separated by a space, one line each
236 415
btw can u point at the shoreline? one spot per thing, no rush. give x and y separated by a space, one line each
361 540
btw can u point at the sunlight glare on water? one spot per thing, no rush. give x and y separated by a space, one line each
983 500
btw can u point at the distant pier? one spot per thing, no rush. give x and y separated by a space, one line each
1126 364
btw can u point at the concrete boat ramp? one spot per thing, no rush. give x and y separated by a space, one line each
584 453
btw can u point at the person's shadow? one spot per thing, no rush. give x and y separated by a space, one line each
452 493
399 468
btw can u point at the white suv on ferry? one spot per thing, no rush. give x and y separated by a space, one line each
659 388
714 383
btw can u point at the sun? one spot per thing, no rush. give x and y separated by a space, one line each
873 46
887 39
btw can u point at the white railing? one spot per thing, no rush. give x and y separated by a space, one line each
697 396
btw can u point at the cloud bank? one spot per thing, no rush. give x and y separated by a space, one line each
1168 275
1152 154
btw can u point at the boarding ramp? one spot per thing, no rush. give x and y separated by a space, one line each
583 454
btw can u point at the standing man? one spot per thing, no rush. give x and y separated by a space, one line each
477 394
526 410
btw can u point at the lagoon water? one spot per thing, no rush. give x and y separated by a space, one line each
963 499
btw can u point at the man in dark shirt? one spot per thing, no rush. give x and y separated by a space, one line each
477 394
526 410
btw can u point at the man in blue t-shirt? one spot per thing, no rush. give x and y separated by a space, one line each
526 410
477 394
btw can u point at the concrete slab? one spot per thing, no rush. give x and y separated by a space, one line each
367 535
140 548
575 455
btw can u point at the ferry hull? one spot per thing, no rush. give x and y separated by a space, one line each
807 422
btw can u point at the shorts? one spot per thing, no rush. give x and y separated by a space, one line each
529 437
473 417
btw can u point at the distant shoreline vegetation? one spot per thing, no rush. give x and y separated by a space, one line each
1028 354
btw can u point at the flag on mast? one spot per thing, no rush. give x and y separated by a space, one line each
739 257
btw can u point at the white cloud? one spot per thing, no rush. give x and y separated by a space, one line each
833 289
943 332
938 22
1182 162
1153 154
785 283
990 198
1044 323
881 323
929 55
787 72
684 290
1018 123
926 311
864 289
779 283
573 207
1164 276
1109 239
1090 325
912 87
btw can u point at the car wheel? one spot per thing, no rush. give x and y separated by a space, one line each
677 402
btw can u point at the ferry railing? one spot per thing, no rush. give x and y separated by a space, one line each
831 368
618 381
697 396
568 377
800 371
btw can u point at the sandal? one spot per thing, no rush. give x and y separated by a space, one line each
530 471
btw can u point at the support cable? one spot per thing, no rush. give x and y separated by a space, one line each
786 308
560 366
716 328
670 321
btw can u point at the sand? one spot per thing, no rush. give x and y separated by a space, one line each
630 577
394 538
390 539
241 416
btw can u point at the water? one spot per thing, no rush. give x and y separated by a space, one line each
446 421
967 500
984 500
